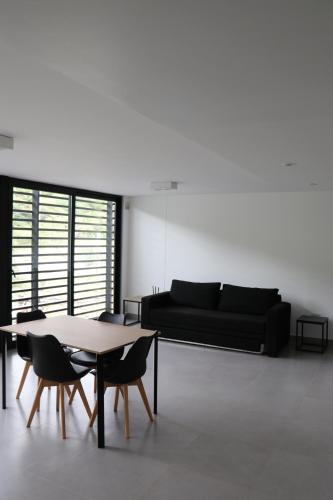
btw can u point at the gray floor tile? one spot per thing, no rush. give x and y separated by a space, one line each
230 426
182 483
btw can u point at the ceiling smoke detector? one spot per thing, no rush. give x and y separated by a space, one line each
6 142
164 185
289 164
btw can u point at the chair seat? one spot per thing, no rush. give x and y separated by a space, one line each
67 350
77 373
80 371
118 373
84 358
27 358
88 359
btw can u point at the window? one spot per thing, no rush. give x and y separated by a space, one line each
65 251
94 256
40 251
53 253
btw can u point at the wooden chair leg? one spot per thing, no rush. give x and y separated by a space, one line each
68 391
93 416
116 399
125 390
72 395
145 399
94 413
36 402
23 377
62 411
83 397
38 382
58 397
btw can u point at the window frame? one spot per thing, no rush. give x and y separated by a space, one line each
6 212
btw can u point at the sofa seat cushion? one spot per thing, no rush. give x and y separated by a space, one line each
204 320
201 295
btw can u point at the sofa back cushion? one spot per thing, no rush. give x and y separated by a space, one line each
202 295
241 299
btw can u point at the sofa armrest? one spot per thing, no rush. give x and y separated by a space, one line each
151 302
277 328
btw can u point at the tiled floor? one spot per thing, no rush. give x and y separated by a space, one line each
230 426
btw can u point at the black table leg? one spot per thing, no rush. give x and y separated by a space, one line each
100 402
4 361
155 370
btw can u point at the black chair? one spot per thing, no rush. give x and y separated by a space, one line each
88 359
127 372
53 368
23 345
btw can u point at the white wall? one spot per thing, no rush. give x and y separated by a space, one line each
282 240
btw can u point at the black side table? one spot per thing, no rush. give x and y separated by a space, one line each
320 346
136 300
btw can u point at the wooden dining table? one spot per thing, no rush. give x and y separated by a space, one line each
97 337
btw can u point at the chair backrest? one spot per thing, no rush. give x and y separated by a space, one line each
49 359
134 365
22 343
117 319
22 317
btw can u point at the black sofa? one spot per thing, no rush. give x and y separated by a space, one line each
253 319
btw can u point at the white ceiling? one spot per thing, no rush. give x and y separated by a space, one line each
111 95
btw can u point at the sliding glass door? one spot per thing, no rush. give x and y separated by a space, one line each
94 251
64 252
40 251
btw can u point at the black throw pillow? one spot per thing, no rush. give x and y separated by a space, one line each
241 299
201 295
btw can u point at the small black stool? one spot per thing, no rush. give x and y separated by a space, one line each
320 347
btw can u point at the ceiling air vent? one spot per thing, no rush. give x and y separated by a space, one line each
164 185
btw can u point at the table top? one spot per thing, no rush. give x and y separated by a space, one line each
312 319
97 337
135 298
